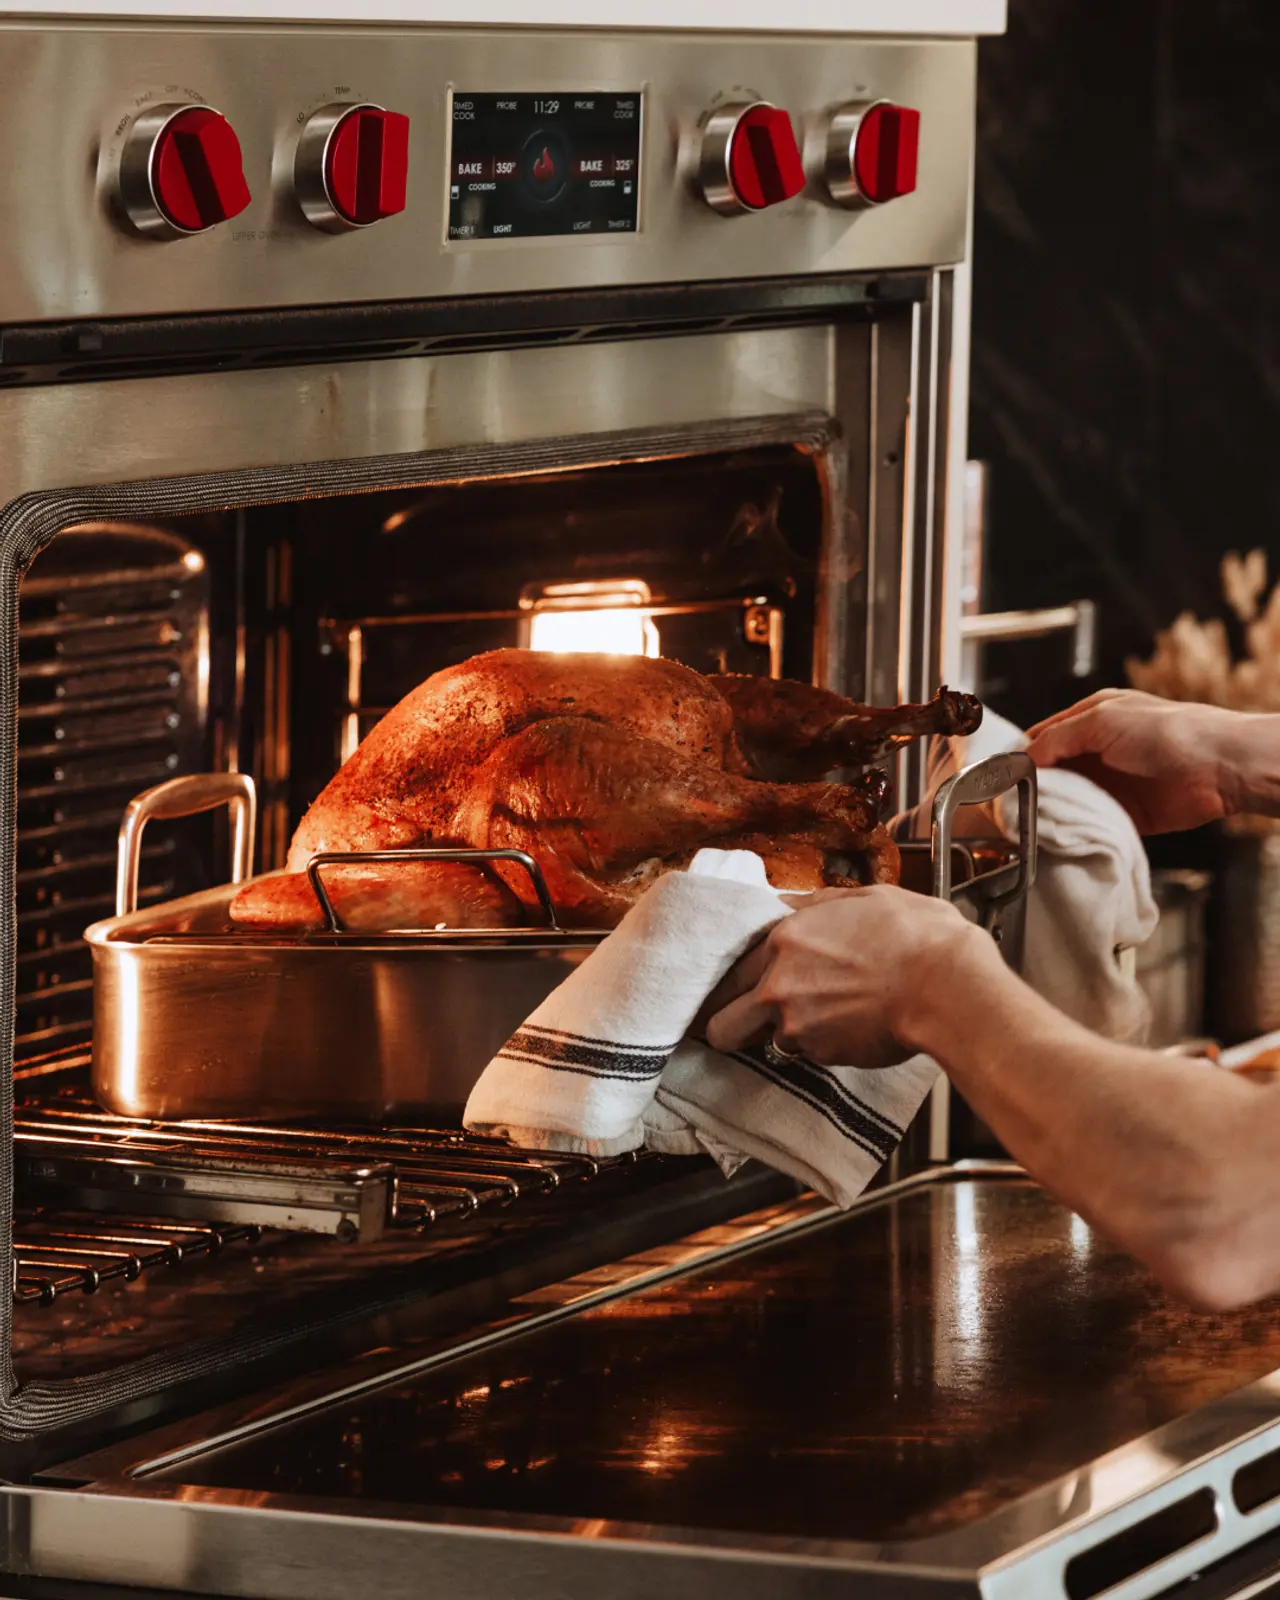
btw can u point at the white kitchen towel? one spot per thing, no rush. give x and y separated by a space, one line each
604 1065
1092 897
832 1128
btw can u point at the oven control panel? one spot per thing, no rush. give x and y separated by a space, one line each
196 168
539 165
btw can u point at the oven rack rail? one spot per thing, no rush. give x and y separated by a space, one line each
113 644
54 1256
144 1194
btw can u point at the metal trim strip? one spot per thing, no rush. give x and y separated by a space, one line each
37 353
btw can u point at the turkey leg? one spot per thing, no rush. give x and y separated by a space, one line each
795 732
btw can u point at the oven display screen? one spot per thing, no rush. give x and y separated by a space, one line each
536 165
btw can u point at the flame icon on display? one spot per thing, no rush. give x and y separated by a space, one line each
544 168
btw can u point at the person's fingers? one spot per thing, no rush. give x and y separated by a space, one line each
1063 741
744 974
740 978
817 897
742 1022
1089 703
1135 794
1039 729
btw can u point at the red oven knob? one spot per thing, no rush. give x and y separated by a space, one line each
873 153
750 158
352 166
181 171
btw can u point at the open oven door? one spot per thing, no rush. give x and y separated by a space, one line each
955 1388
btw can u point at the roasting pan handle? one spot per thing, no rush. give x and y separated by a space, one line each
186 797
984 781
520 857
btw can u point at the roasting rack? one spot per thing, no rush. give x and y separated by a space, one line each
132 1195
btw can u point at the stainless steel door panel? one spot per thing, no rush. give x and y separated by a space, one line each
982 1403
67 92
72 435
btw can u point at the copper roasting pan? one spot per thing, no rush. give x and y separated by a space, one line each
195 1019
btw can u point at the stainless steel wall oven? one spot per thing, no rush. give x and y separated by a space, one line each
329 357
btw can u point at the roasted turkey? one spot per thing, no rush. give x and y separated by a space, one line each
608 771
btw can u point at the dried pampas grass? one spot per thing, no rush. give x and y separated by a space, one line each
1193 660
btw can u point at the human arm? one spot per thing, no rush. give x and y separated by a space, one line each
1177 1162
1171 765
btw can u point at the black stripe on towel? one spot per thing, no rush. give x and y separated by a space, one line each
810 1069
585 1072
663 1050
857 1105
815 1086
823 1082
574 1053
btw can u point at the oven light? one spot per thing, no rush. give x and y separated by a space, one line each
608 618
615 633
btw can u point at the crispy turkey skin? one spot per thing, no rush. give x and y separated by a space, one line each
608 771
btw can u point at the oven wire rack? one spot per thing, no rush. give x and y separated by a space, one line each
102 1198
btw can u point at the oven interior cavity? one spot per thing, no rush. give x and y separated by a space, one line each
266 642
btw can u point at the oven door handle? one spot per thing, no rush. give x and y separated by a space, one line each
976 785
186 797
1080 619
521 859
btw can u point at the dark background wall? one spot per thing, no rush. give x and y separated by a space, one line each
1126 365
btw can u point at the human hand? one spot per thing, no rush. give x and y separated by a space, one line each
1171 765
845 980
